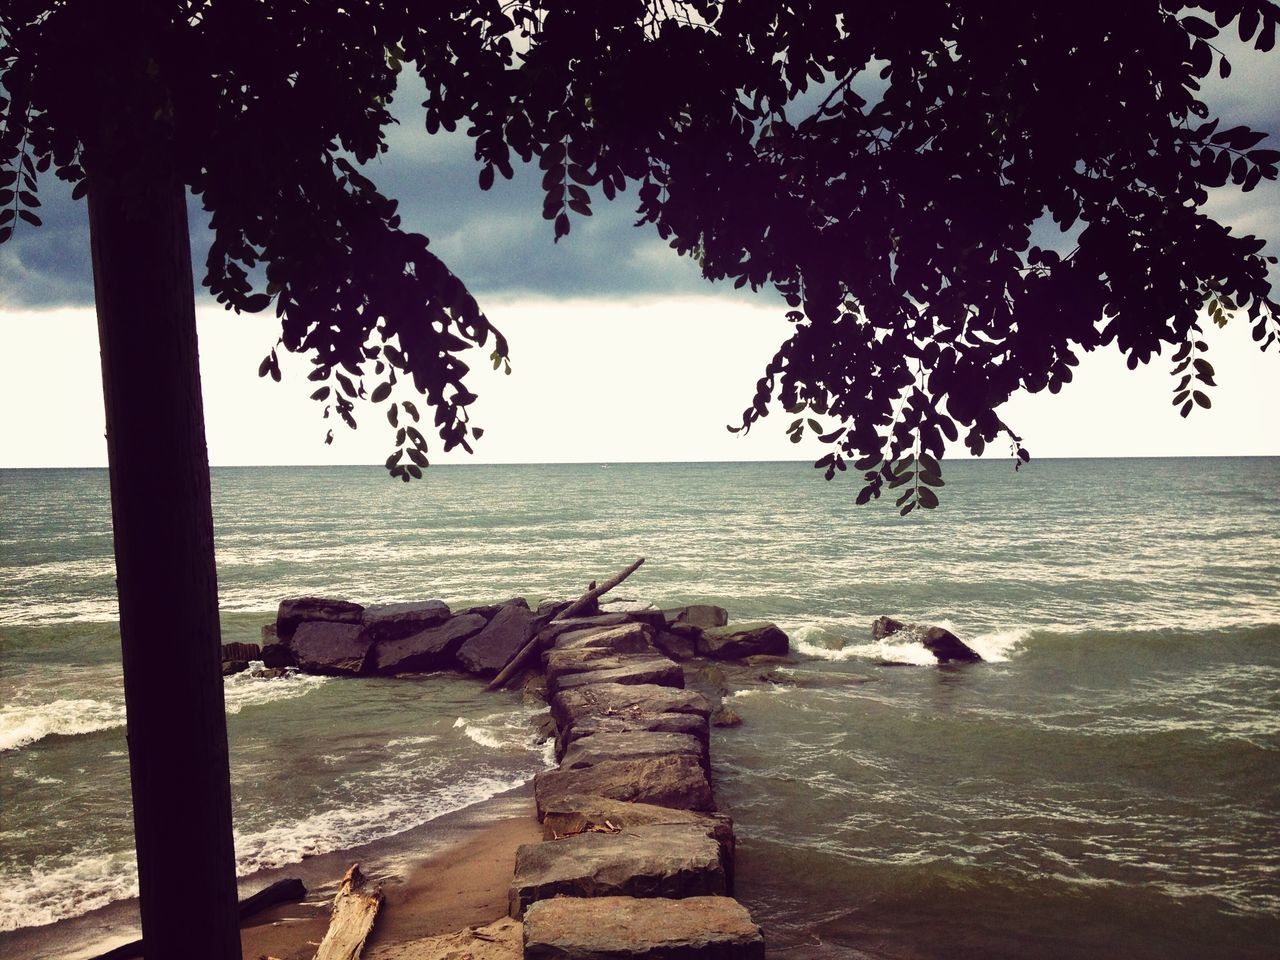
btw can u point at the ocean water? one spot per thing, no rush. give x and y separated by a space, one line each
1106 784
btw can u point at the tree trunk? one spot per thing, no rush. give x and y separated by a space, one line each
163 522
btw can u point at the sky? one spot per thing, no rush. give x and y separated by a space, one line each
621 351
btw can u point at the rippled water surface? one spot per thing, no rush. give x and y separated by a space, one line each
1107 784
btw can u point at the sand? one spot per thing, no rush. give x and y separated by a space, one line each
461 886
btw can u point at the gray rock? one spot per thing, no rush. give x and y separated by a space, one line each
622 708
332 648
670 860
702 615
724 716
389 621
275 652
580 812
636 611
629 928
296 610
743 640
430 649
231 667
667 781
626 745
549 634
945 646
241 651
627 638
679 641
489 650
636 669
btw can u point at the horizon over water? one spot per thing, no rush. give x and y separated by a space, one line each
1107 783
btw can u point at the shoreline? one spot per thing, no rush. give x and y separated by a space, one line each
439 877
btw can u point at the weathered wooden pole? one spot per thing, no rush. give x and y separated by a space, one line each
163 522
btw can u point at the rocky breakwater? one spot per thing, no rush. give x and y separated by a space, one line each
635 860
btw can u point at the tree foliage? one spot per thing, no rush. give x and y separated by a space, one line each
886 167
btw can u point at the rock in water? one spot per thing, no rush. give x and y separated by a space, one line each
430 649
743 640
489 650
275 652
620 928
676 780
946 646
941 642
332 648
296 610
702 615
389 621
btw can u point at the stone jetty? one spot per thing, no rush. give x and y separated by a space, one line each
635 860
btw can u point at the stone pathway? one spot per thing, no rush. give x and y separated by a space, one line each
635 862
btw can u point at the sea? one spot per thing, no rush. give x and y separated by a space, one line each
1105 784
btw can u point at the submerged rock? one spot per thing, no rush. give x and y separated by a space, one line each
724 716
941 642
743 640
620 928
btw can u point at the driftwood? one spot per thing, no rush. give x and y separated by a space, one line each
593 593
354 910
282 891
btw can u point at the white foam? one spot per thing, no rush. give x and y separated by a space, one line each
25 723
250 688
52 891
999 645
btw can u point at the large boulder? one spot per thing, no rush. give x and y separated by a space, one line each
671 860
743 640
674 780
296 610
636 611
626 638
702 615
426 650
581 812
388 621
628 669
489 650
631 928
333 648
588 751
945 646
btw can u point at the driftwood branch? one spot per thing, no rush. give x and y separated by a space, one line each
282 891
354 910
593 593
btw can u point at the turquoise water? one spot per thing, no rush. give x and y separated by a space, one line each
1108 783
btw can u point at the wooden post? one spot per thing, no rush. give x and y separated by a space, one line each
162 520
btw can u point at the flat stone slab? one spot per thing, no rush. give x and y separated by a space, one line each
667 781
743 640
628 928
625 638
552 631
321 646
622 708
578 813
631 670
386 621
430 649
702 615
668 860
599 747
560 662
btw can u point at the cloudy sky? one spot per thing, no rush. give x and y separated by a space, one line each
621 351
